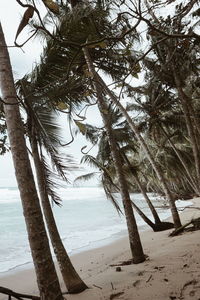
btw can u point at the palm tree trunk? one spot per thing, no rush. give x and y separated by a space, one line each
142 190
189 125
148 201
188 173
161 226
72 280
45 270
143 216
134 238
175 215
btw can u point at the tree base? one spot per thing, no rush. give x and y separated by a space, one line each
128 262
77 289
162 226
194 222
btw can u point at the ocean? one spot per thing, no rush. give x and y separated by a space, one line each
85 220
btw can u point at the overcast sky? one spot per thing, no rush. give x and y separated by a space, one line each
22 62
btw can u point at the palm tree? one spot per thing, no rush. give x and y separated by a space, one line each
48 285
73 282
113 98
42 131
134 238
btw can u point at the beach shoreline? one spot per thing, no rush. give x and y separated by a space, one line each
158 274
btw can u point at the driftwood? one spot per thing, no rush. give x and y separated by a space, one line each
99 287
112 296
15 295
194 222
123 263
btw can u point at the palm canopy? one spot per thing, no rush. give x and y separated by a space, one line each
42 127
93 25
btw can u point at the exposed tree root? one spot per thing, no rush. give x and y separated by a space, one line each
112 296
15 295
123 263
194 222
163 226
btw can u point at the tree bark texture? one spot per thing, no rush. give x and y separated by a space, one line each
72 280
134 238
142 190
148 201
45 271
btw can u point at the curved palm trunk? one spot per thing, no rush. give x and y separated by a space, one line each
175 215
190 178
72 280
161 226
148 201
45 270
134 238
143 192
143 216
189 125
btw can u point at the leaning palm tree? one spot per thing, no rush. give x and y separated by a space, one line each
156 167
134 238
48 285
43 133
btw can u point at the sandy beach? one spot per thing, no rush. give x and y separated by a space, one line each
171 271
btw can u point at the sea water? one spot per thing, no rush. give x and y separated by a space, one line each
85 219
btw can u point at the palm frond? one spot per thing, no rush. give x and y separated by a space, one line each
91 161
50 181
109 193
85 177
